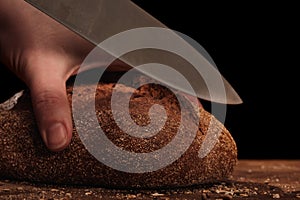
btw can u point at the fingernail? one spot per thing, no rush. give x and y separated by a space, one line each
56 136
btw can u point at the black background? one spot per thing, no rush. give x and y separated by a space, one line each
255 47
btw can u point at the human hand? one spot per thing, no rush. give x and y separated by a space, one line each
44 54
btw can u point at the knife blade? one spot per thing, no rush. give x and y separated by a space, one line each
97 20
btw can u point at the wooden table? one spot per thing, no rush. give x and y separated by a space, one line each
252 179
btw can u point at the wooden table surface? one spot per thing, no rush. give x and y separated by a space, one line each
252 179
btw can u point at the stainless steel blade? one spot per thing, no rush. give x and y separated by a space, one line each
97 20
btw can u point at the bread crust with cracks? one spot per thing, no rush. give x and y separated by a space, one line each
23 155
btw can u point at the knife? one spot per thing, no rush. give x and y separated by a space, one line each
97 20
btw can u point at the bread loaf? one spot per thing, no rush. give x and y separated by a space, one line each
23 155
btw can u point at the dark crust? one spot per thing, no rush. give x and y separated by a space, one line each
24 156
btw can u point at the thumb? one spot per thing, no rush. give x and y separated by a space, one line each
52 111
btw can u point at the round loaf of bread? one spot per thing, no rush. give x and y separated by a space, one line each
23 156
